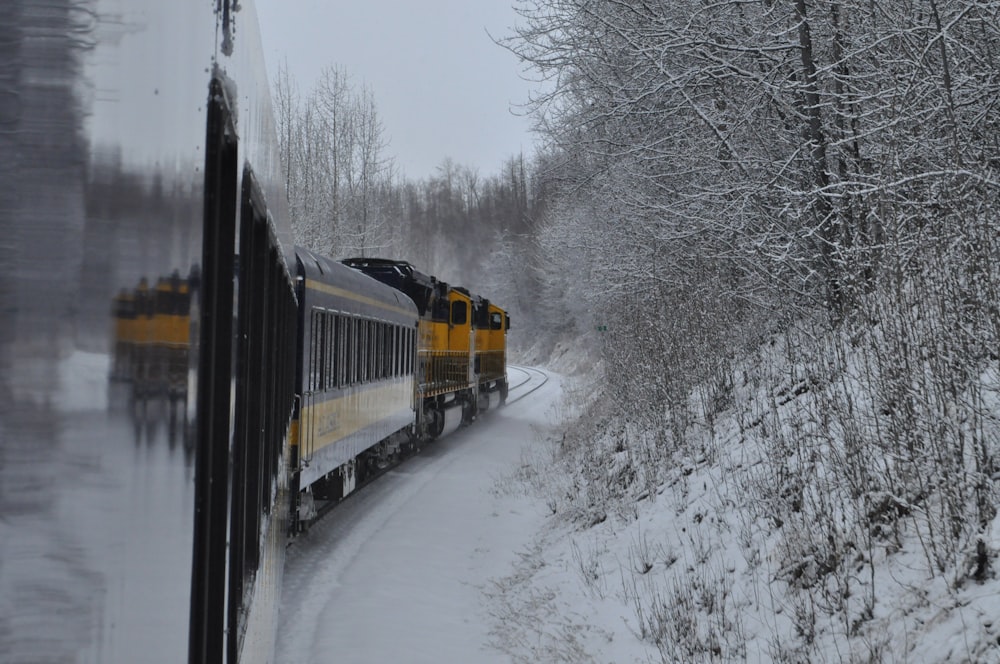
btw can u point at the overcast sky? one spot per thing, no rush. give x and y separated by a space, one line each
442 87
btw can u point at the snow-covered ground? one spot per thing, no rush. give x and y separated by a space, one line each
403 570
453 558
473 550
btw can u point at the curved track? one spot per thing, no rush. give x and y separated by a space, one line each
524 376
533 379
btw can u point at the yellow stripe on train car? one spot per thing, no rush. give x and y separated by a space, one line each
324 423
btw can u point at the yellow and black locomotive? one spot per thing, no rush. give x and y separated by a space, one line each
461 346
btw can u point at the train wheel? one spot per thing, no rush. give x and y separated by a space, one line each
469 409
436 426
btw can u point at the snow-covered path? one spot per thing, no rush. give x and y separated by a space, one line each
397 572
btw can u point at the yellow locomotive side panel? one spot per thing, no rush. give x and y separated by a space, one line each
445 353
171 331
125 335
483 340
143 324
441 368
153 337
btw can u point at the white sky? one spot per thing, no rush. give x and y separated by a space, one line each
442 87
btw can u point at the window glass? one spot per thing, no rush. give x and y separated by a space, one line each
410 350
459 312
339 324
366 352
331 345
320 350
376 349
313 350
380 350
386 350
439 311
396 347
352 351
363 351
376 346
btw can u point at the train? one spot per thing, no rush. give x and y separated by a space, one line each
180 385
387 359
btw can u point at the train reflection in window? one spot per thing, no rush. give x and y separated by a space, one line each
151 358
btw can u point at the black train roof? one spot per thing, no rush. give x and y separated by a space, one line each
403 277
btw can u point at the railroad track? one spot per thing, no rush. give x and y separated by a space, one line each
528 373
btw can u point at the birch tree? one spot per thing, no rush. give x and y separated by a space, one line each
336 166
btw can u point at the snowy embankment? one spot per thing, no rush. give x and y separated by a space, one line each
769 534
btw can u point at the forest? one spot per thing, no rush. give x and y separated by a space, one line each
771 225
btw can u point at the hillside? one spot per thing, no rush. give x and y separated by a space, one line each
798 518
